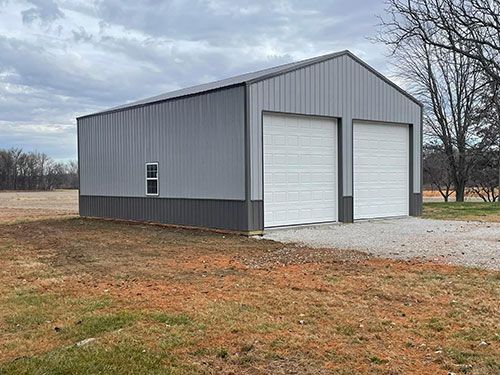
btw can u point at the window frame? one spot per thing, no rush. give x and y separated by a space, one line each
152 178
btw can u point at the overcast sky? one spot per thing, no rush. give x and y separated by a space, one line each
63 58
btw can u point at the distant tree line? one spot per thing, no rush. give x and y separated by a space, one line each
482 179
21 170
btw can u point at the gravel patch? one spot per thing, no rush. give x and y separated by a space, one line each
473 244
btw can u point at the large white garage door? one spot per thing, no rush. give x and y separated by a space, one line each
300 170
380 170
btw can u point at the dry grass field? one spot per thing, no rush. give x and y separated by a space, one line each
157 300
435 196
29 205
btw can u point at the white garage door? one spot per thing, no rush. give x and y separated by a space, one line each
380 170
300 170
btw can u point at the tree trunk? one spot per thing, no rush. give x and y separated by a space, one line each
460 191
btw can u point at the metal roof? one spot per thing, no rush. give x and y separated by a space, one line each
246 79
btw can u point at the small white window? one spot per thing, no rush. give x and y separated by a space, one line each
151 178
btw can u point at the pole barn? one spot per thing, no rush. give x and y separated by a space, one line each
321 140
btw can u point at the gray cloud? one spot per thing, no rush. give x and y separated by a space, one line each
64 58
57 141
37 68
46 11
224 22
81 35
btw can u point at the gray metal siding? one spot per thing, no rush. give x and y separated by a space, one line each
198 142
208 213
416 204
340 87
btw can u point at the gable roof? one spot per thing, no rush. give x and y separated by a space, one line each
249 78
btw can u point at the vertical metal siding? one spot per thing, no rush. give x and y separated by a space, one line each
198 142
339 87
222 214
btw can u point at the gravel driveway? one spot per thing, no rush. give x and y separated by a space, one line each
472 244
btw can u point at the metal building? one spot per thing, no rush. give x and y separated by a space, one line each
322 140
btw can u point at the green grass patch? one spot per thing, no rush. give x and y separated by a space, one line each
29 297
482 211
171 320
26 309
222 353
174 331
427 276
474 361
94 325
435 324
461 357
122 358
174 340
21 321
346 329
477 334
378 361
233 317
268 327
89 305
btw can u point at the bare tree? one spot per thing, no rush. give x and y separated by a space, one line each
6 168
470 28
450 86
54 176
437 172
71 175
483 179
16 156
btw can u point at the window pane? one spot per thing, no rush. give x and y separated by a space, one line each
152 186
152 171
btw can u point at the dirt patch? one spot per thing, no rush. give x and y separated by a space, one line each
288 255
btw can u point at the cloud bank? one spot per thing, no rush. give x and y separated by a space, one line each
63 58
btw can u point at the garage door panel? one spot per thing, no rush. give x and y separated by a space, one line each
300 175
381 170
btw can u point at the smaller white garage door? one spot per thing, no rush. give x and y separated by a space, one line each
381 170
300 170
